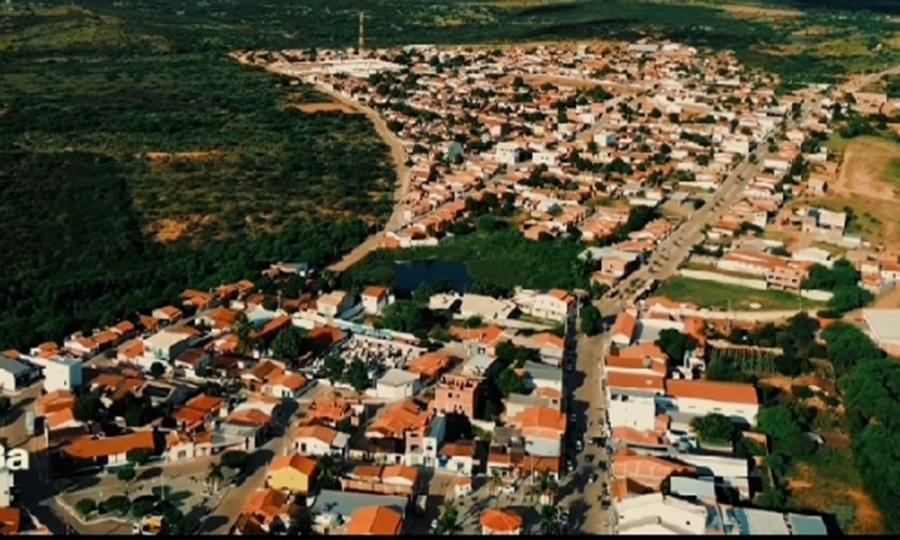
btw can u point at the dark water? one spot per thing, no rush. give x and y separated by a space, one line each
408 276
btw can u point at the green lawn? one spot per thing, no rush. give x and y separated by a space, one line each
892 172
496 260
712 295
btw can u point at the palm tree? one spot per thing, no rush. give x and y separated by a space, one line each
549 520
448 523
214 476
242 329
496 482
544 484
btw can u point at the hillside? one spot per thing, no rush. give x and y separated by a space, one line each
137 158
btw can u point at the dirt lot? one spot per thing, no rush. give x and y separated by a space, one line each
862 185
761 13
327 106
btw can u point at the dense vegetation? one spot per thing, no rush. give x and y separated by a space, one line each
89 87
103 216
496 261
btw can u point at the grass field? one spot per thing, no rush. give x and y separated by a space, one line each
498 260
722 296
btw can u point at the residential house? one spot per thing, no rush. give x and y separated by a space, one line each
292 472
317 440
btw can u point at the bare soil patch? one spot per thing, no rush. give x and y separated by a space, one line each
197 155
759 12
168 230
327 106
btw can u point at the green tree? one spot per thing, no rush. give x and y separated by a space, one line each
509 382
5 405
448 522
215 476
847 345
714 428
243 330
848 298
548 520
126 474
591 320
403 316
235 459
334 368
138 457
784 428
157 370
119 504
675 344
288 344
329 473
357 375
88 406
85 507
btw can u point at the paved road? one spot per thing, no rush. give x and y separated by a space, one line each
674 250
581 496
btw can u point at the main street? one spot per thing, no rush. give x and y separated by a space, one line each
674 250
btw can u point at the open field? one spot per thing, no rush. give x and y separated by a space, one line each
323 107
869 184
829 481
722 296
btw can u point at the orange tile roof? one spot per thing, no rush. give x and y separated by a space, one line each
271 327
546 339
727 392
400 418
459 449
189 416
375 520
321 433
59 418
430 365
487 335
542 417
290 380
401 471
497 520
55 401
625 325
635 381
374 291
297 462
253 417
205 403
10 521
89 448
325 335
560 294
268 504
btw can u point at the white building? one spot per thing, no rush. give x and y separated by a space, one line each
397 384
486 308
374 299
686 399
555 304
655 514
7 481
320 441
60 372
165 346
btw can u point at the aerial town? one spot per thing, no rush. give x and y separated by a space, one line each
286 405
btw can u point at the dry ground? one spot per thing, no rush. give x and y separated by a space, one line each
862 185
327 106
